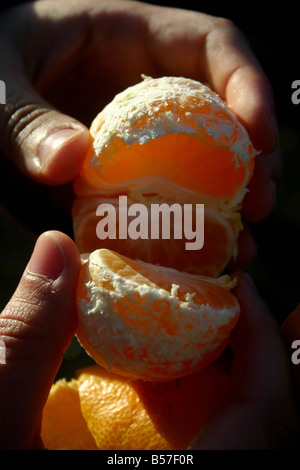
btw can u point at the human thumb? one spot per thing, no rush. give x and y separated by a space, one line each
36 328
45 144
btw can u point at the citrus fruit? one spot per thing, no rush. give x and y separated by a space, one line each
155 315
150 322
167 140
107 411
63 426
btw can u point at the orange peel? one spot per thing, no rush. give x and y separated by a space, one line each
102 410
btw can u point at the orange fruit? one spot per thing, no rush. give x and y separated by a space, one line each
114 412
158 330
167 140
220 237
63 426
150 322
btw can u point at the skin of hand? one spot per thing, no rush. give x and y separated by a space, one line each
64 60
263 413
40 320
36 327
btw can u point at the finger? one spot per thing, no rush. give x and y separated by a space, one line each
243 85
240 80
45 144
238 77
260 201
262 413
36 327
258 347
215 51
246 252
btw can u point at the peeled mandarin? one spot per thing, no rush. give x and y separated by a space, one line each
150 322
152 314
220 239
167 140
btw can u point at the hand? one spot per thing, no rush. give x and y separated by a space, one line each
63 60
36 328
262 415
39 321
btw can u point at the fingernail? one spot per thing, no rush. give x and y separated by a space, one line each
51 144
47 258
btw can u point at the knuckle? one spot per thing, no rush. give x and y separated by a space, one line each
24 338
23 318
226 24
18 318
226 28
22 120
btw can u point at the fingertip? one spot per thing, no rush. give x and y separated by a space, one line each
260 123
246 253
260 202
68 246
61 155
250 96
54 253
260 199
47 259
247 295
51 280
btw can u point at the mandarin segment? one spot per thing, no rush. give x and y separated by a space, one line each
148 322
220 238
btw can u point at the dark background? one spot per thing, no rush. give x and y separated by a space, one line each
272 32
